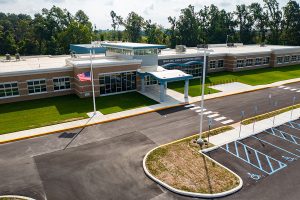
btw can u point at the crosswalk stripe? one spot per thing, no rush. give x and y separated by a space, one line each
227 121
208 112
199 111
286 88
189 105
298 91
214 115
195 108
293 89
281 86
219 119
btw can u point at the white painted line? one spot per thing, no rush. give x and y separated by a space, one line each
214 115
195 108
208 112
281 86
199 111
298 91
227 121
293 89
286 88
219 119
190 105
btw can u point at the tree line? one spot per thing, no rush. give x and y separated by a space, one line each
52 30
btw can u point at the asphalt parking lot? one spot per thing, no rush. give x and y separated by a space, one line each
268 158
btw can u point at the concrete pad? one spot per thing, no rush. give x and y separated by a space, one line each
229 87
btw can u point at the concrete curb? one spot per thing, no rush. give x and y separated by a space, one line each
192 194
15 196
141 113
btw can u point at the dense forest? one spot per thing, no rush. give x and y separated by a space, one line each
51 31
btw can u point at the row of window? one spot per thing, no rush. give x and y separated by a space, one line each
252 62
287 59
132 52
213 64
34 86
194 70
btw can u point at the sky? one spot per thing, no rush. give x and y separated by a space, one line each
99 10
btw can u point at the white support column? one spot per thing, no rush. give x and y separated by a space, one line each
143 83
162 92
186 90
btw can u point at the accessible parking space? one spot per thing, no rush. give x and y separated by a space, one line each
262 155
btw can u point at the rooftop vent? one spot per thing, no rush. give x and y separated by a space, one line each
18 57
230 44
73 54
7 57
180 48
202 46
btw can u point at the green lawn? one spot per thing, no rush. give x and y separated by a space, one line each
37 113
251 77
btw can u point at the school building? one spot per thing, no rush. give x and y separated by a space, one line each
122 67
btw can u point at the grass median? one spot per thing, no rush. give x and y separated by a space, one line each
42 112
181 166
250 77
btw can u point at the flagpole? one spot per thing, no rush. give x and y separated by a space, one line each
92 79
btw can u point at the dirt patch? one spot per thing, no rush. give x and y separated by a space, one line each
181 166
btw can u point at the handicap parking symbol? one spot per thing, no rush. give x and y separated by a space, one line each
289 158
254 176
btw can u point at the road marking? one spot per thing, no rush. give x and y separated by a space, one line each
214 115
293 89
208 112
190 105
283 135
199 111
195 108
281 86
298 91
227 121
286 88
219 119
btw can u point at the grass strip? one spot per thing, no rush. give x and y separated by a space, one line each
180 165
268 115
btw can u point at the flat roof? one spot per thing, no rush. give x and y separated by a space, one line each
102 61
131 45
222 50
31 64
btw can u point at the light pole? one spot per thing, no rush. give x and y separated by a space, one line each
227 39
205 51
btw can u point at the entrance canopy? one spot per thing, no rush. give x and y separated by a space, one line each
164 76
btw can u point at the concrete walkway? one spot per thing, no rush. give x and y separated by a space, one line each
244 131
173 99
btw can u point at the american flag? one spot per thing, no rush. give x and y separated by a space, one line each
85 76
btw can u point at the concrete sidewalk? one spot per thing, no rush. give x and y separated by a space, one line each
244 131
173 99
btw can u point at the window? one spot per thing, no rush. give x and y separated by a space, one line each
150 80
266 60
298 57
9 89
294 58
117 82
36 86
240 63
62 83
286 59
249 62
258 61
212 64
279 60
220 63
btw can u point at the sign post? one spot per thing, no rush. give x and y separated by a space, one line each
294 99
242 117
255 113
275 105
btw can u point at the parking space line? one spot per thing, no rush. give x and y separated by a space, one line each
258 157
293 137
273 145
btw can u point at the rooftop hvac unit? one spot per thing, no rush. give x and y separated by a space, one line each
17 56
7 57
202 46
230 44
262 44
180 48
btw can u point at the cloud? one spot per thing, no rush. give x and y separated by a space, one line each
148 9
